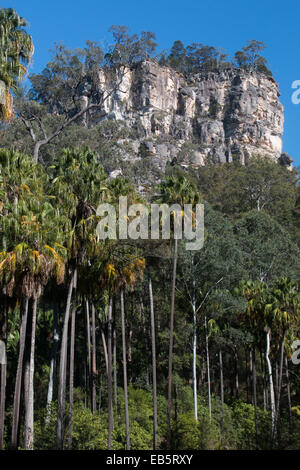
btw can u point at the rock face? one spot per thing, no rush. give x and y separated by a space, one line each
217 117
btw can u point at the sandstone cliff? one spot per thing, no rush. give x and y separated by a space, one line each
214 116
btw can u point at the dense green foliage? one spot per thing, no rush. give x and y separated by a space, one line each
251 245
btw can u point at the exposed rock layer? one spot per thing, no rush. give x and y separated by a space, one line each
218 116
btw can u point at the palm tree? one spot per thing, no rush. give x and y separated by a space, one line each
63 369
78 183
125 369
53 360
175 190
260 312
4 302
37 266
72 355
122 271
286 308
29 223
247 289
109 376
16 49
153 347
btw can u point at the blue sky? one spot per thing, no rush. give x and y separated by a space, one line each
228 24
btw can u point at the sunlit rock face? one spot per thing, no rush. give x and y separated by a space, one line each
218 117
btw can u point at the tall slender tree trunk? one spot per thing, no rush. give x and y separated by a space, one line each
109 376
3 375
254 391
153 346
88 334
170 375
276 384
29 415
195 353
72 354
26 359
52 360
60 436
94 365
263 371
115 360
236 372
18 383
105 350
288 392
125 371
129 361
277 419
208 367
221 382
272 397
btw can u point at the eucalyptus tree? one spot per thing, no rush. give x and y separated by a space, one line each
262 184
71 88
269 251
217 266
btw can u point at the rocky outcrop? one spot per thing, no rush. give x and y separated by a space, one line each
217 117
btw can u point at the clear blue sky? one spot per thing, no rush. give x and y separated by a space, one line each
228 24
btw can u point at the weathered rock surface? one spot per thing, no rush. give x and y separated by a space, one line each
214 116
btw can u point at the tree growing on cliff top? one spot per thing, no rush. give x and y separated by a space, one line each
249 57
127 49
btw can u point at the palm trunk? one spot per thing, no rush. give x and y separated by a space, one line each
3 376
60 436
272 397
94 367
288 392
29 415
221 383
17 394
254 392
115 363
88 334
109 377
263 371
26 359
52 361
153 364
195 355
71 378
277 420
105 351
125 371
236 372
170 375
208 367
129 361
